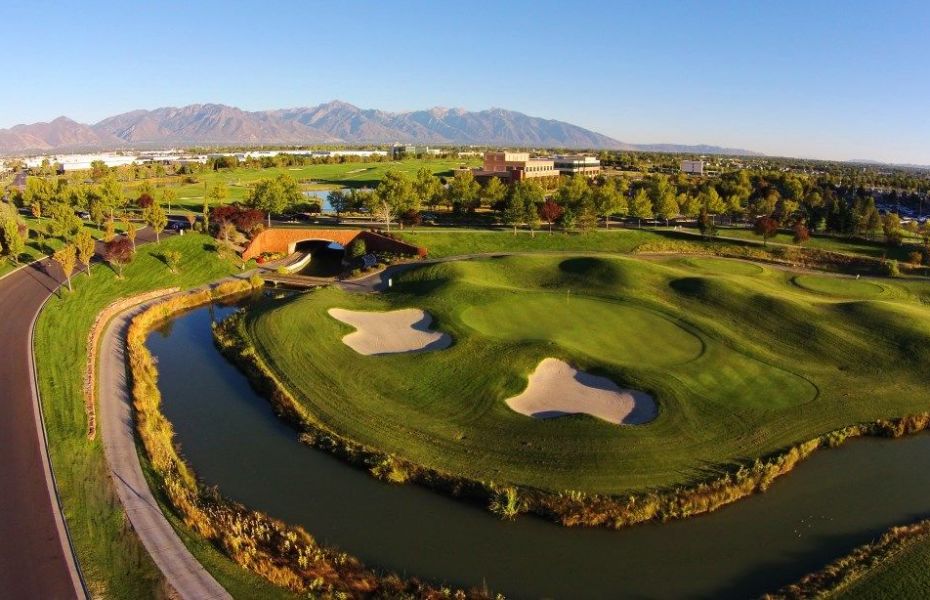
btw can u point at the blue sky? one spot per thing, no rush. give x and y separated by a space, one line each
817 78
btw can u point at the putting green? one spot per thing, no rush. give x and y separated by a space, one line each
609 331
739 366
724 266
845 287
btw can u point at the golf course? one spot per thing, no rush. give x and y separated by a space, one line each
742 360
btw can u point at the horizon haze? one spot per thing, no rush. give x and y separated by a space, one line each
831 80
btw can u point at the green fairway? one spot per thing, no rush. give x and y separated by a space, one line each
442 243
311 177
839 286
741 361
113 560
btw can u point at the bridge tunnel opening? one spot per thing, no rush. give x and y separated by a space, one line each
326 257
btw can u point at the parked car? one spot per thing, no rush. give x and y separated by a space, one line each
83 214
178 225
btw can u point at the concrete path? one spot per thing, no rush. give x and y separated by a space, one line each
182 571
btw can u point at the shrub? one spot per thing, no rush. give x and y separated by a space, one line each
891 269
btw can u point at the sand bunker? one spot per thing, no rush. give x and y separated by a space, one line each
557 389
391 332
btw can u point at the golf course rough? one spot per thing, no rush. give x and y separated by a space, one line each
741 363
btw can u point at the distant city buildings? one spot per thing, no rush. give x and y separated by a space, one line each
577 164
692 167
519 166
399 151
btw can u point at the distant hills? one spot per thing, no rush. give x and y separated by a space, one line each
331 123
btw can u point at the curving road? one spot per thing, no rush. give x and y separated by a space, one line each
36 558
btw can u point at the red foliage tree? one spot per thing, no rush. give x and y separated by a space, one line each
119 253
801 233
410 218
550 211
766 227
145 201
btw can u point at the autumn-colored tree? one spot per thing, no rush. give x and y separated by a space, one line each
766 227
131 230
156 218
85 245
110 231
410 218
801 233
172 259
119 253
706 225
66 257
550 211
144 201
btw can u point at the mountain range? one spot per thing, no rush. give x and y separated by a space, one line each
331 123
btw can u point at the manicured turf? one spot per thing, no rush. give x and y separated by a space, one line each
874 248
839 286
311 177
111 556
444 243
903 577
742 363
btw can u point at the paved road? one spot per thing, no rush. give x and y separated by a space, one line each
184 574
35 554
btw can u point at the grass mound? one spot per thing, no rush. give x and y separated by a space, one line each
740 367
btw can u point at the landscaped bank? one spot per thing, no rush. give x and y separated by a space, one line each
285 555
234 440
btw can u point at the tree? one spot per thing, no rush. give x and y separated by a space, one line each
85 245
514 210
550 211
357 249
172 259
110 231
63 222
274 196
393 195
666 207
410 218
111 195
168 196
801 233
608 200
426 187
765 227
339 201
156 218
66 257
463 191
494 191
572 191
131 230
119 253
891 227
13 240
706 225
641 206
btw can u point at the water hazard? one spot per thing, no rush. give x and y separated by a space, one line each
833 502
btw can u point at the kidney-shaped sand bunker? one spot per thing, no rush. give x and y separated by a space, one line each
556 389
392 332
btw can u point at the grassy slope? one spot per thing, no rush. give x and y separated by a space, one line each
114 561
905 577
875 249
813 362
